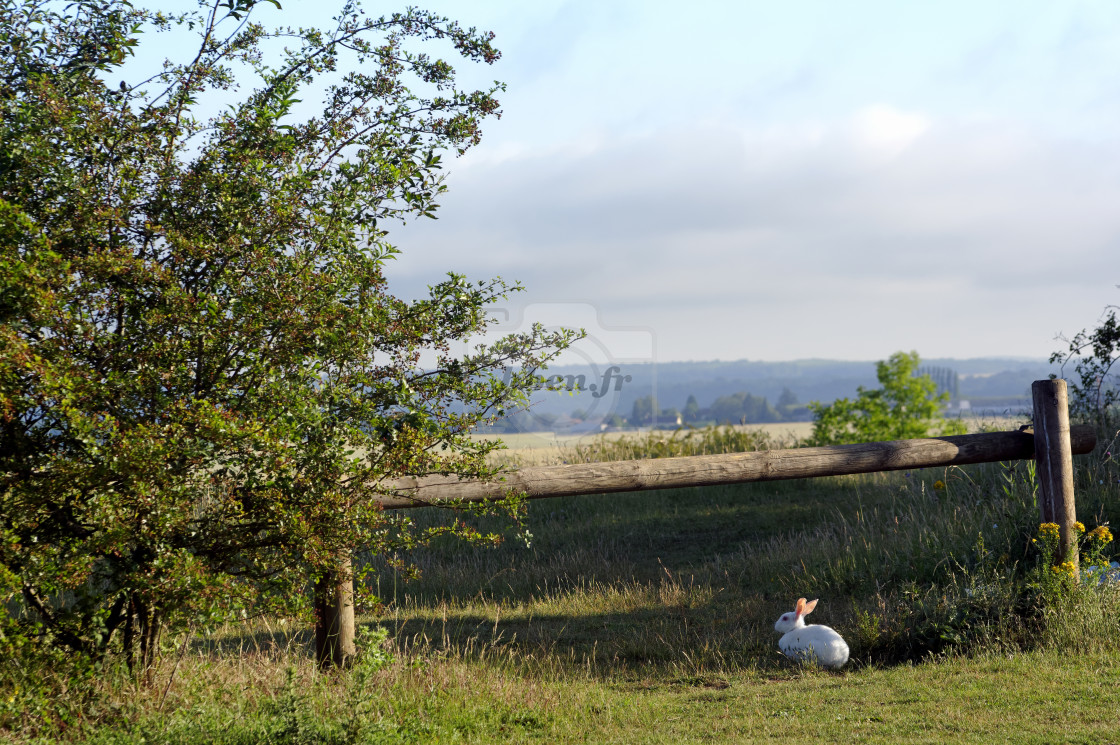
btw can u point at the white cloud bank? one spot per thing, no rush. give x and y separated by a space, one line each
883 231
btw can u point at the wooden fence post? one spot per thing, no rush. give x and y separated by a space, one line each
1054 458
334 617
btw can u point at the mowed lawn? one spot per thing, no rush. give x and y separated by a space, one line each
1028 698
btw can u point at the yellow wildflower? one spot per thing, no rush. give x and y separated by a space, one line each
1065 568
1101 535
1048 530
1079 527
939 485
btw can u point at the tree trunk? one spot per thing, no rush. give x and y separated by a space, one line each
141 629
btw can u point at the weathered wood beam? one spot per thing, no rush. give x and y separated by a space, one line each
1054 458
709 470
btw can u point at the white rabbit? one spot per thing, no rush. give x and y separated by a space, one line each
812 642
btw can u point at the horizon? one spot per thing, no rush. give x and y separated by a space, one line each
992 358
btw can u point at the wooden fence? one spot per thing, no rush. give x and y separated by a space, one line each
1051 443
542 482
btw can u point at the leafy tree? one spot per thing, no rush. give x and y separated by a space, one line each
1096 394
790 409
203 377
691 409
742 407
787 400
643 410
905 407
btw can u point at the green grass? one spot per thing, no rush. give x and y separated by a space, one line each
1037 697
648 618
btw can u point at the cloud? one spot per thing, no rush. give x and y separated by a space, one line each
888 130
874 218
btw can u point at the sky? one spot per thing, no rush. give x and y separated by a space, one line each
776 181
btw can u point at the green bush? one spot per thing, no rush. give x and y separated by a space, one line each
905 407
204 379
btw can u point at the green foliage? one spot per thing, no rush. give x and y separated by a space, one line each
904 407
1095 396
1056 577
203 376
740 408
293 719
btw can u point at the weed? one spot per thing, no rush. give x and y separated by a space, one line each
681 442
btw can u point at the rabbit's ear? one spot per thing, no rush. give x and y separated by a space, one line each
808 608
800 607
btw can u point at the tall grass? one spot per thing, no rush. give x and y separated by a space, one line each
914 569
680 442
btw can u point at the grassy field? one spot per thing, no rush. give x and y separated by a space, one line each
550 448
648 618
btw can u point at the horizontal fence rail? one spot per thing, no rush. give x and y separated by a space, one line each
708 470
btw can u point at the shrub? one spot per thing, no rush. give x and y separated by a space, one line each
906 406
203 376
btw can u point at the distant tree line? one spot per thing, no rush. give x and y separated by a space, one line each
735 408
522 421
